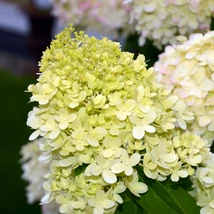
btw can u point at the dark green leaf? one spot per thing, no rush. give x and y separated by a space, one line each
80 169
166 198
212 24
148 50
128 207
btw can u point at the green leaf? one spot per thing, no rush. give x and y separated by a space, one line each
127 208
148 50
212 24
129 205
80 169
166 198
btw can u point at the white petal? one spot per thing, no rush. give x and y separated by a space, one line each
73 104
92 141
54 134
45 199
34 135
33 122
182 123
149 117
211 204
95 170
117 198
101 195
98 210
183 173
204 120
63 125
175 177
149 128
72 117
170 101
63 208
118 168
207 180
138 132
197 159
129 170
92 202
109 177
135 159
121 115
119 189
139 188
129 104
107 204
108 153
207 85
170 158
67 162
99 133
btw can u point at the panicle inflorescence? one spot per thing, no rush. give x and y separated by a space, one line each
105 16
161 21
101 114
188 70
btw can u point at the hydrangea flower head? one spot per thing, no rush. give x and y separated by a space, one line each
161 21
203 186
188 69
105 16
34 171
101 114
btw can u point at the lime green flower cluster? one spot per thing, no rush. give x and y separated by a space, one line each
101 113
166 157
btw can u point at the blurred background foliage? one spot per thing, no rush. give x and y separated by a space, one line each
14 133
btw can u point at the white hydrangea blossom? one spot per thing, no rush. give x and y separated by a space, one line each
104 16
160 21
203 186
188 69
34 172
50 208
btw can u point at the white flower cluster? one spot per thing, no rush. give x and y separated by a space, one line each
203 185
160 21
34 172
104 16
188 69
